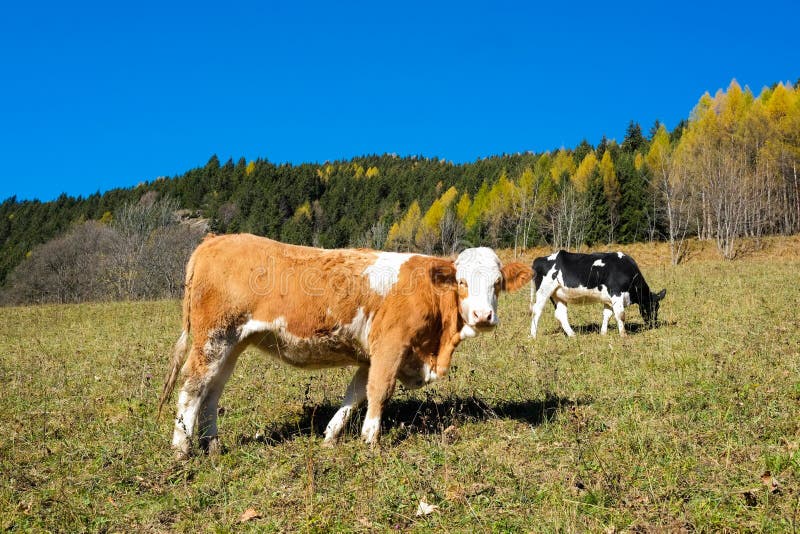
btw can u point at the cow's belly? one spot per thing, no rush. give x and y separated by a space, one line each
319 352
582 295
339 348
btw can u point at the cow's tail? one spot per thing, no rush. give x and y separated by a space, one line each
182 345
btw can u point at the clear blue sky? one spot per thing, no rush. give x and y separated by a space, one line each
96 96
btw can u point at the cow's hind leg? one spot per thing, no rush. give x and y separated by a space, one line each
618 305
206 365
607 313
189 400
561 315
227 355
355 395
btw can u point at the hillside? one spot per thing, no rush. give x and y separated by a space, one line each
730 171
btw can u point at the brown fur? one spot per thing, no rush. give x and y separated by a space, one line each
312 294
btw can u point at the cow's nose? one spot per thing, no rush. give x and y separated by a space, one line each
482 316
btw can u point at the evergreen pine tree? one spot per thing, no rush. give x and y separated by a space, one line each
634 140
599 219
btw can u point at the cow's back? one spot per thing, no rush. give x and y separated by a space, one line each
615 271
243 276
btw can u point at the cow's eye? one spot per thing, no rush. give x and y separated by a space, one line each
462 283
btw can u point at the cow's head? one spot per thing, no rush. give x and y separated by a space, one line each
649 310
480 277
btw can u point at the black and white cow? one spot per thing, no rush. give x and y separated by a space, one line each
608 277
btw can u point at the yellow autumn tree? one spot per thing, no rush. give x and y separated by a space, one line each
673 191
638 161
562 166
527 181
429 233
580 179
525 207
401 234
479 205
303 211
462 208
609 175
500 207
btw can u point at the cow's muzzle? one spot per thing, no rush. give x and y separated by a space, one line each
482 319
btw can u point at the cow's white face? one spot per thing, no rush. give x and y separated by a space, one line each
479 281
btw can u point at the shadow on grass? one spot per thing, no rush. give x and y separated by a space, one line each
630 328
406 417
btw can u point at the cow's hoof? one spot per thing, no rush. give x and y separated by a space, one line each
329 443
371 431
373 445
181 455
213 446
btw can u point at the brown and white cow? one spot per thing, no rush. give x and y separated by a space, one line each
391 315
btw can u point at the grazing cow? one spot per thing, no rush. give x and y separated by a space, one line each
608 277
391 315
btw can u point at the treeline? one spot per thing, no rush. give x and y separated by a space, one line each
728 171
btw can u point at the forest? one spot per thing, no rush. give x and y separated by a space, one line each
729 171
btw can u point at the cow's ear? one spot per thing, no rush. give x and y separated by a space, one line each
443 274
661 294
516 275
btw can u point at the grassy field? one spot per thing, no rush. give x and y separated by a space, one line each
693 425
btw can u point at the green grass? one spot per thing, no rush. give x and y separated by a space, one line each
670 428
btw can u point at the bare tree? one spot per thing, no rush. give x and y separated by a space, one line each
529 216
135 224
670 180
569 219
426 239
374 237
66 269
162 265
452 232
142 254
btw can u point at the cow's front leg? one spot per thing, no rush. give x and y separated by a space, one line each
355 395
380 386
445 355
561 315
607 312
536 310
542 296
